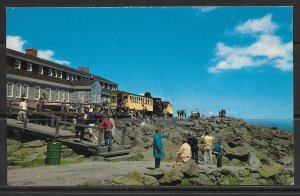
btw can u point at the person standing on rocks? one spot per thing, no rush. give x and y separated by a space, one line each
208 144
184 153
158 147
218 151
107 127
193 142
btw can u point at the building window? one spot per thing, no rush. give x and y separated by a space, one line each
37 92
54 73
17 64
57 95
18 90
59 74
81 78
10 89
72 78
29 67
67 96
76 78
41 70
25 90
67 76
48 93
62 96
50 72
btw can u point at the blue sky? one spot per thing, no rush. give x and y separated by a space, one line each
205 58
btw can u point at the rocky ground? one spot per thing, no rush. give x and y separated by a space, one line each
254 155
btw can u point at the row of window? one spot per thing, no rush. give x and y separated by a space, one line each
59 74
140 100
51 72
24 90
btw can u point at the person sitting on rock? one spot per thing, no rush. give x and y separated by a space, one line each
218 151
208 141
184 153
158 147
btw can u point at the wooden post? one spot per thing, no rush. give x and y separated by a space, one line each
52 121
99 140
56 130
24 120
123 137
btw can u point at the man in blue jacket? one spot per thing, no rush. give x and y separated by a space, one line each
158 148
218 151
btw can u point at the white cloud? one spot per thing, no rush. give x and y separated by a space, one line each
206 8
267 49
261 25
17 43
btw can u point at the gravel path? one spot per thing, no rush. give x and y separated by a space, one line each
77 174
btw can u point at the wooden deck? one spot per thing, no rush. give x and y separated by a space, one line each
66 137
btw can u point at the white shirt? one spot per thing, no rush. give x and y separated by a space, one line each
23 105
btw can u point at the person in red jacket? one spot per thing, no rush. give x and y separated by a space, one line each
107 127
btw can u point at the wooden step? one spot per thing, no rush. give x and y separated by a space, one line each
115 153
122 157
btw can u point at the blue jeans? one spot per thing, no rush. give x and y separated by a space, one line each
108 138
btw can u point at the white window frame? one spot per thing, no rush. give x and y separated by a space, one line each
72 77
55 73
67 95
41 69
50 72
57 96
62 95
35 92
12 89
18 65
81 78
76 78
29 65
27 90
60 74
49 93
67 76
20 90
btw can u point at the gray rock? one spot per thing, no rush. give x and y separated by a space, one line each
156 173
253 161
186 123
149 180
287 160
190 168
171 177
33 144
201 180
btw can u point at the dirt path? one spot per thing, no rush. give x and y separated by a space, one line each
77 174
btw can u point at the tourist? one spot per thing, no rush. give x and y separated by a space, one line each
80 121
208 141
193 142
107 127
158 147
22 113
184 153
218 151
178 113
113 127
91 120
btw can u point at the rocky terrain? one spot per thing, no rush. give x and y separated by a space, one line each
254 155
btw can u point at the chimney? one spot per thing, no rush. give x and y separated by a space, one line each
31 51
84 69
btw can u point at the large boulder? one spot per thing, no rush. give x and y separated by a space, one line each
253 161
203 180
267 171
13 146
124 180
189 168
186 123
33 144
135 179
156 173
171 177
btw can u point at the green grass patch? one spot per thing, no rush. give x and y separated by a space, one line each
185 182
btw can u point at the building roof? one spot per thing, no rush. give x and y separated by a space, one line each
59 66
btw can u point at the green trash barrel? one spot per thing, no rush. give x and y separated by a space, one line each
53 153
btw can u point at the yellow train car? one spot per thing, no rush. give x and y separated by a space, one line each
168 107
131 101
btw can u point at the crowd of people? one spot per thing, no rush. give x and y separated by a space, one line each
181 113
189 149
